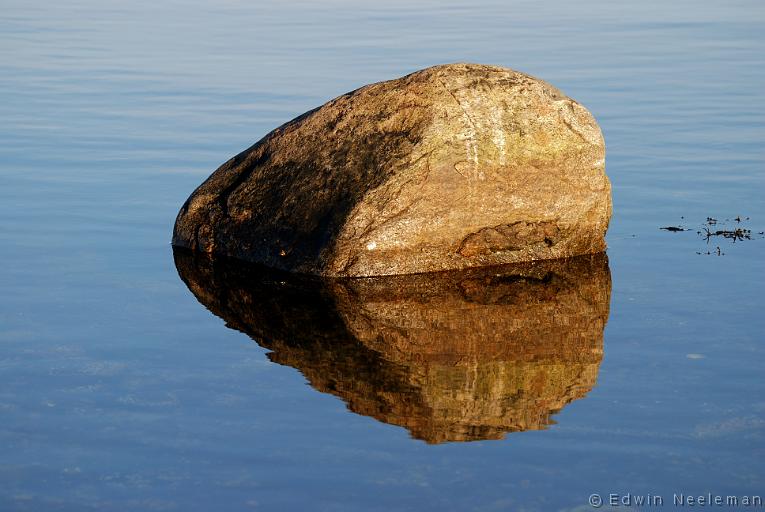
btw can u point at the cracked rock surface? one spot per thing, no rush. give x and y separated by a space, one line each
451 167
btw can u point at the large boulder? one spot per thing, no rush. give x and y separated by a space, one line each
451 167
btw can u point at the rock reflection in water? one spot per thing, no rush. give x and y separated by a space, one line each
452 356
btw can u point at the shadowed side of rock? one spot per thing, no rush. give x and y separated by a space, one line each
284 201
453 356
451 167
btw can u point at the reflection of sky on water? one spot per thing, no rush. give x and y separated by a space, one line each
120 392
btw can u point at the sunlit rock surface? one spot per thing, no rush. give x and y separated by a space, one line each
451 356
451 167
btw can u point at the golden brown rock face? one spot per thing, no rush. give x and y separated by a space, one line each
451 167
452 356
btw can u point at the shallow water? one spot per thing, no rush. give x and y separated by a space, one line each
121 392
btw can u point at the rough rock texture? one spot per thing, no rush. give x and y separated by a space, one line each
451 167
453 356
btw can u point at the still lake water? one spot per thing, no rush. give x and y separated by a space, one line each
120 391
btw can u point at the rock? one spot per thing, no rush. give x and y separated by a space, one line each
451 167
451 356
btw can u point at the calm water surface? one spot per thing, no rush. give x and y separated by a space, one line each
120 391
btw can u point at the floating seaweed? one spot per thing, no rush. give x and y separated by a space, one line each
714 229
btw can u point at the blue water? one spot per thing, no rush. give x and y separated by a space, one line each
119 391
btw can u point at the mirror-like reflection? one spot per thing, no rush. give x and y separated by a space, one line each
452 356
